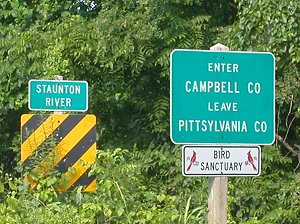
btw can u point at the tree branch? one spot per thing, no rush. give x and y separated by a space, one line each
279 138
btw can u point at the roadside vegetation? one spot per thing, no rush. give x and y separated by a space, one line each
122 49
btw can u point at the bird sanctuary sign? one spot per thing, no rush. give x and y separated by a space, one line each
54 95
222 98
221 161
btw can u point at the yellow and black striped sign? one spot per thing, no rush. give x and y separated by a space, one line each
63 142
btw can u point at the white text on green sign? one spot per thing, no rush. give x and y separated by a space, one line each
52 95
222 97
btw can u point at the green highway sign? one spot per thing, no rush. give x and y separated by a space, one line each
222 97
54 95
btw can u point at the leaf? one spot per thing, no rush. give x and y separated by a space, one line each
161 197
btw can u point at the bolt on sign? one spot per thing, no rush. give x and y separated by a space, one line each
54 95
222 97
62 142
221 161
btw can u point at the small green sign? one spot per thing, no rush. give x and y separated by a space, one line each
222 97
53 95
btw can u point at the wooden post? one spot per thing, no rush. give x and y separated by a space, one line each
218 186
217 200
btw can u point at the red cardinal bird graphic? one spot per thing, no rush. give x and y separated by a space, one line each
193 160
250 160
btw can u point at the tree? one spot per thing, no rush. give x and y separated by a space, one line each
121 48
272 26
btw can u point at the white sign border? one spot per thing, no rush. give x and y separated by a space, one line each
221 175
43 80
220 144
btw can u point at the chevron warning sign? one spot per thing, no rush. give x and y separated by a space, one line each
63 142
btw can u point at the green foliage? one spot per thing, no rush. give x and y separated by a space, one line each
124 194
148 187
274 197
273 26
250 199
122 49
129 196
